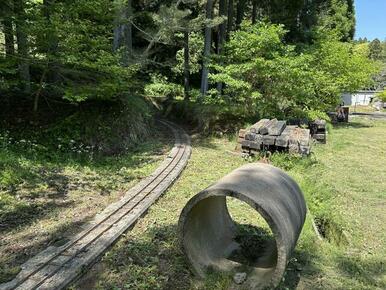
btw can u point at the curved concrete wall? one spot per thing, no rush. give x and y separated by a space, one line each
208 232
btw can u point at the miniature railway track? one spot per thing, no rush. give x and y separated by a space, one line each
57 267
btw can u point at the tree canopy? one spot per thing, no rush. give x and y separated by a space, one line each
264 57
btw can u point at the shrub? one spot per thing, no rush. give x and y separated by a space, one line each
264 76
382 96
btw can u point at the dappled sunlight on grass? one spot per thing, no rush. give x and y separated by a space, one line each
342 184
47 194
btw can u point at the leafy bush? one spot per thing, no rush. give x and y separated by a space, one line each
108 128
196 44
266 77
382 96
209 117
160 87
94 130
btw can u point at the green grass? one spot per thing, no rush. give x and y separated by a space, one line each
344 185
49 189
364 109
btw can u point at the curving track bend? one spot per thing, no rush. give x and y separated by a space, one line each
57 267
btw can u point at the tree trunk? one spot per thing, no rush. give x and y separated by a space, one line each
254 11
52 45
222 28
118 27
22 46
240 13
6 20
186 66
230 18
221 34
39 91
8 37
129 30
207 46
117 34
127 33
123 31
9 45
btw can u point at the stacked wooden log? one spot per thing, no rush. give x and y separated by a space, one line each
319 131
274 135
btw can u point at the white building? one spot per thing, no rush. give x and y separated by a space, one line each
360 98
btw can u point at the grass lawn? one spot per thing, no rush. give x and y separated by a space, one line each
47 193
364 109
345 189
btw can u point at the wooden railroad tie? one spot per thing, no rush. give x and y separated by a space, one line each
276 135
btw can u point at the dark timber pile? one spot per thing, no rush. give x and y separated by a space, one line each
318 131
274 135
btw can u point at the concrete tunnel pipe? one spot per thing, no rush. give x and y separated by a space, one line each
207 231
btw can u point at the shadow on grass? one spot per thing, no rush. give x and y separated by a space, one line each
154 260
32 184
49 152
351 124
255 240
204 141
15 255
44 191
23 214
300 266
369 271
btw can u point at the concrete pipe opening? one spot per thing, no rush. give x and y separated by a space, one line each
212 240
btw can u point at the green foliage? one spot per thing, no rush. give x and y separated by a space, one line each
160 87
313 115
70 53
327 180
265 76
338 20
51 182
376 49
109 128
168 20
196 44
309 20
345 65
382 96
309 114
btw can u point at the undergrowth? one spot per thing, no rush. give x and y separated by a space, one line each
346 206
56 176
320 194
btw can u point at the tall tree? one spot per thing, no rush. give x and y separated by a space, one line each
52 40
230 18
254 11
7 12
240 12
338 17
186 66
129 29
222 27
123 29
118 28
22 45
351 18
221 33
207 48
384 51
375 49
